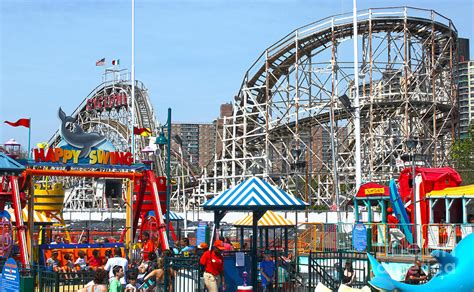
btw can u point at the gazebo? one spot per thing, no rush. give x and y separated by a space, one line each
269 220
371 194
257 196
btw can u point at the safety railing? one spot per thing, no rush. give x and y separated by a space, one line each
384 239
49 281
330 267
444 236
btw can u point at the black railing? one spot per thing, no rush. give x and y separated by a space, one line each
49 281
329 267
185 274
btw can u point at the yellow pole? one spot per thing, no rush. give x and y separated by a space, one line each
31 210
129 217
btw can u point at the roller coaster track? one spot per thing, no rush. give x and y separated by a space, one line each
282 55
114 123
291 97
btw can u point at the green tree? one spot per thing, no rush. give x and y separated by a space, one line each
463 157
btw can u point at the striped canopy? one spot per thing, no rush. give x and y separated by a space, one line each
173 216
254 194
38 217
269 219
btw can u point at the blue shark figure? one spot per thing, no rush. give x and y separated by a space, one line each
78 138
456 271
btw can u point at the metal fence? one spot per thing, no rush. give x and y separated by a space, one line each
387 240
329 267
290 274
49 281
186 274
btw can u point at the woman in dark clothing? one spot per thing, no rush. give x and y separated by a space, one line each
348 275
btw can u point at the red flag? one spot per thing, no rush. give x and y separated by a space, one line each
20 122
139 131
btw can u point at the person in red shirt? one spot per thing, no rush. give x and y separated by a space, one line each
147 245
395 234
213 263
96 260
391 219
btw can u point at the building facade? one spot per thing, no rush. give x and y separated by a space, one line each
465 81
466 97
198 141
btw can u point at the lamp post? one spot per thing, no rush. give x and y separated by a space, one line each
161 141
411 145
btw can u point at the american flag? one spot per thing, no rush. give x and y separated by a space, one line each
100 62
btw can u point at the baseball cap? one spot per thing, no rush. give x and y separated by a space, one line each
203 245
219 244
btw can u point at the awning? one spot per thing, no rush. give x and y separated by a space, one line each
9 165
38 217
372 189
173 215
269 219
456 192
254 194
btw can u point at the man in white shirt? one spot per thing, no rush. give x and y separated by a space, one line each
117 260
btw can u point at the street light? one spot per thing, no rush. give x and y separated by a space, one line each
162 141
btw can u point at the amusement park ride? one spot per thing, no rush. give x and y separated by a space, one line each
81 155
294 99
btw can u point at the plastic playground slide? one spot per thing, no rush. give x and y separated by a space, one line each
400 211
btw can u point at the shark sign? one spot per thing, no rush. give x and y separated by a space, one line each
81 147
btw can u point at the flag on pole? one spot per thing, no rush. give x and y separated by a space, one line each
116 62
100 62
141 131
21 122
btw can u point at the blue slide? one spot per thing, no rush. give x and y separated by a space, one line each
400 211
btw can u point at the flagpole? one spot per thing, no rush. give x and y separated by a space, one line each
357 157
133 78
131 186
29 140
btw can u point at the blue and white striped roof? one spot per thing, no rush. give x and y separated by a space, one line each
253 194
173 215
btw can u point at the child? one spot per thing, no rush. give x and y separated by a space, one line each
53 262
69 266
80 263
96 260
115 285
132 283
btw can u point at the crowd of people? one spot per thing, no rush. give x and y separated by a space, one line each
114 272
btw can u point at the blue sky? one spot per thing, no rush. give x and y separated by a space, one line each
191 55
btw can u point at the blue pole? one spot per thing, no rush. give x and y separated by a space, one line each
29 141
168 176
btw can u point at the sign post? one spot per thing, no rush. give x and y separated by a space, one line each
10 280
359 237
